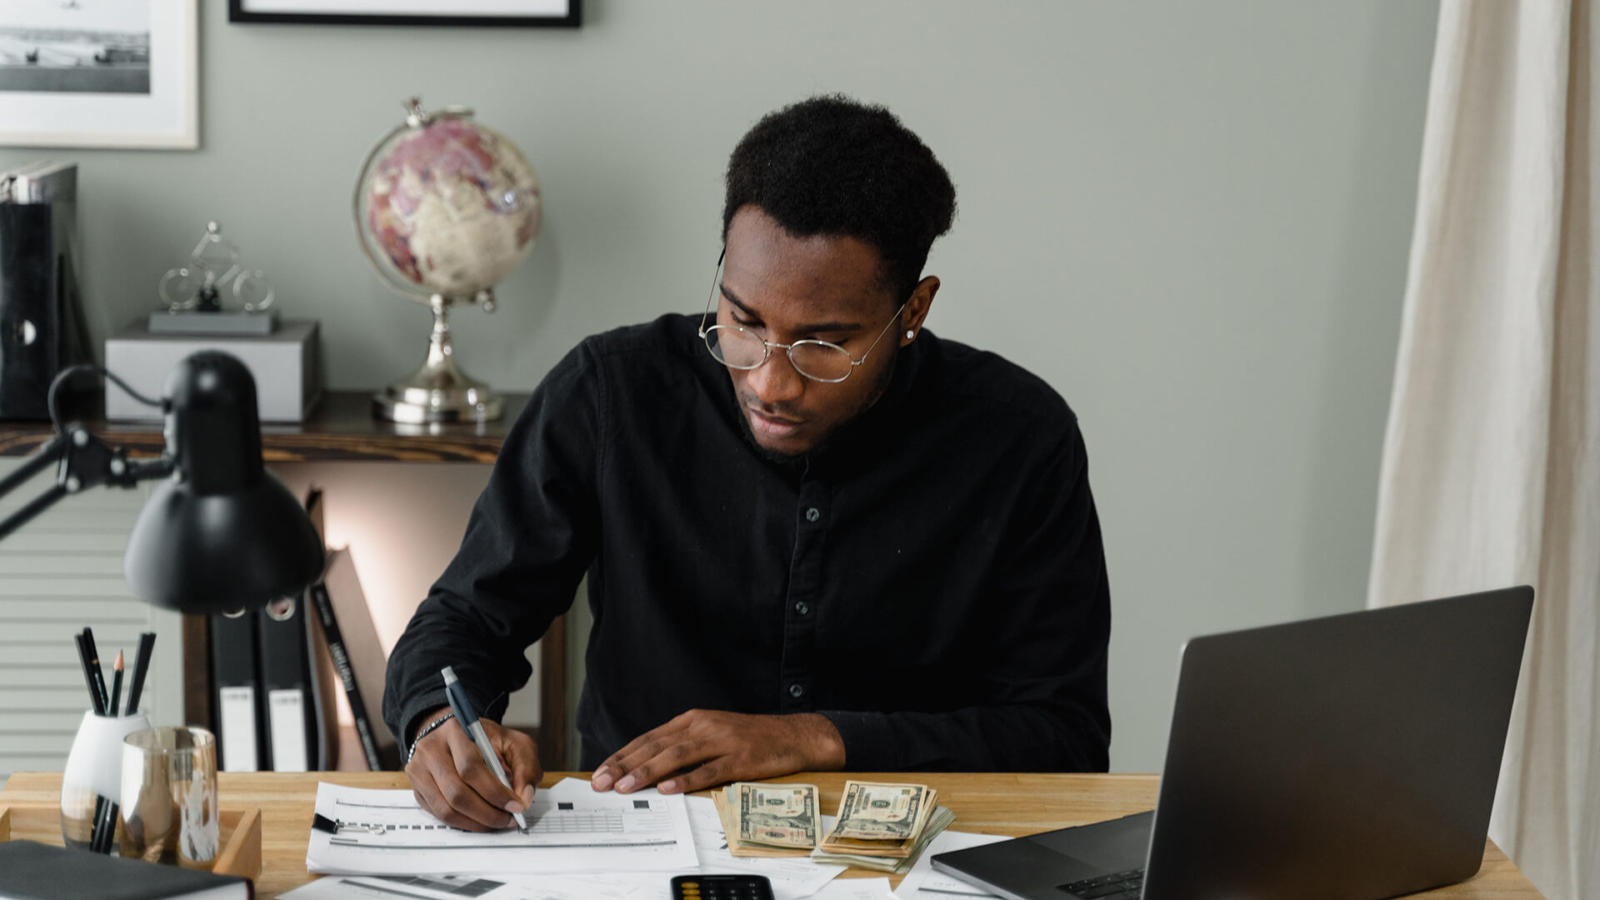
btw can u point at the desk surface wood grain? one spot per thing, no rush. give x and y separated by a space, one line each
1007 804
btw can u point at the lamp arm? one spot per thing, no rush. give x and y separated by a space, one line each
86 461
48 452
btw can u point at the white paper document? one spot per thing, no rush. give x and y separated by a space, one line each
571 829
856 889
923 883
627 886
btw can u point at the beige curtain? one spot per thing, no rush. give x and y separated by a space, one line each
1491 463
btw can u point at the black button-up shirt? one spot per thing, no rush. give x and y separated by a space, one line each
931 579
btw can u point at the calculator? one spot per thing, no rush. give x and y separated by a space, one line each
721 887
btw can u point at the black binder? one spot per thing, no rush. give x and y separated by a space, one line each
287 687
235 686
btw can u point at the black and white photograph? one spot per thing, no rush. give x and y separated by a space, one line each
85 46
516 13
99 73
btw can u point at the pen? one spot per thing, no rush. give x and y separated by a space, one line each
141 664
83 656
468 717
103 837
95 673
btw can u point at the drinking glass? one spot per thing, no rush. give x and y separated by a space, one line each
169 796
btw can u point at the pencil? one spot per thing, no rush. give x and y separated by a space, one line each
141 665
83 657
116 684
95 671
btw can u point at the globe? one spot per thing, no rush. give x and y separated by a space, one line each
445 208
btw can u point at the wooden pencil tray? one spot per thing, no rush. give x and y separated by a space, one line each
239 834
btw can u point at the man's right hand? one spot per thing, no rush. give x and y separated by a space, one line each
451 780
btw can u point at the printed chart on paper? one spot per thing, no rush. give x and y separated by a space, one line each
571 828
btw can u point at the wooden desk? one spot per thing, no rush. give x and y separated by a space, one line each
991 803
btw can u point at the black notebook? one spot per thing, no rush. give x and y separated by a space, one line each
33 871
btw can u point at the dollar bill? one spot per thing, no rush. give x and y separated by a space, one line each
938 820
776 815
880 812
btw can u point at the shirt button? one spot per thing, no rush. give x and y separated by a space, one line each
801 608
797 691
813 514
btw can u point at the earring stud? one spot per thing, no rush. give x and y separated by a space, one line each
910 334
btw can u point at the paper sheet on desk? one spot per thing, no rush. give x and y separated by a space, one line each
923 883
856 889
629 886
571 829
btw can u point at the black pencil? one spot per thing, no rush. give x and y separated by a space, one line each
88 679
116 685
95 671
141 665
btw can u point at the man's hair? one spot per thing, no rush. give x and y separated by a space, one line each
831 166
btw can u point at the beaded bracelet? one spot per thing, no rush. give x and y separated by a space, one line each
426 730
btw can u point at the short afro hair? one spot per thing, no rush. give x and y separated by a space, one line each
832 166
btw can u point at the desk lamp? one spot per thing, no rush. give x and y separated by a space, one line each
220 532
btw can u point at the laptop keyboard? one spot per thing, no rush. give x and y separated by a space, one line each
1116 886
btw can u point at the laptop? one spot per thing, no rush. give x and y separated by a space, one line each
1353 756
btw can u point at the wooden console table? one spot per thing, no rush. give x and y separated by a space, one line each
341 427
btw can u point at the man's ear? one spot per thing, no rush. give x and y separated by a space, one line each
916 310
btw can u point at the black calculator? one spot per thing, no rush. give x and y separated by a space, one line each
721 887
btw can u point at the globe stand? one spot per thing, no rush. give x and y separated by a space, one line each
439 391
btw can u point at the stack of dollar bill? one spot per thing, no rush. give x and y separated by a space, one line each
769 819
883 826
879 826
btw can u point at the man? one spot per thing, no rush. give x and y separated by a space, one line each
816 535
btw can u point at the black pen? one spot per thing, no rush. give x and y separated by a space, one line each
95 671
467 717
105 828
141 665
88 679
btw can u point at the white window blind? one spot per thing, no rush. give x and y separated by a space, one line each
58 573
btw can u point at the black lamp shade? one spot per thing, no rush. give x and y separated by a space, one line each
221 533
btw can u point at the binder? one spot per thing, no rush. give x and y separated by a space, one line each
358 656
286 685
234 680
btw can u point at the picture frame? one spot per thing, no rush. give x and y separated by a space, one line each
118 74
515 13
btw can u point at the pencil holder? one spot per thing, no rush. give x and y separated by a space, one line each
93 770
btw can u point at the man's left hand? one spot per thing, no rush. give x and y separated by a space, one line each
710 747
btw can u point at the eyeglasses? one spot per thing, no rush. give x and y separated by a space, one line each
741 348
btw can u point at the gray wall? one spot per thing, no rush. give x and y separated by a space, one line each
1192 219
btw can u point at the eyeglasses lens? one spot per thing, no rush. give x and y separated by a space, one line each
739 349
820 361
735 347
